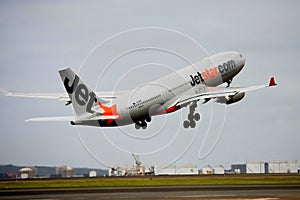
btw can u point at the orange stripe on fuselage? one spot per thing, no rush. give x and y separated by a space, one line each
171 109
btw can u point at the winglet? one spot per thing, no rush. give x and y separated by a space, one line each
272 82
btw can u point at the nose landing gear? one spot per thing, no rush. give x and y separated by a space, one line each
192 117
229 82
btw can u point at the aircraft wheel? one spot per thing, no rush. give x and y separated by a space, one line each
186 124
148 119
137 126
190 117
143 125
192 124
197 116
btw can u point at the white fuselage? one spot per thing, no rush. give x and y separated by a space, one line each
159 97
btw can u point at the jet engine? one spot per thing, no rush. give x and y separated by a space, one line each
231 99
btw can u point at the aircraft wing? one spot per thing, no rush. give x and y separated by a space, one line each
59 96
218 92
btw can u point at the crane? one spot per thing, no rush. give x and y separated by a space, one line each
139 169
137 159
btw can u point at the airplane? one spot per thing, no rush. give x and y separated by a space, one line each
180 89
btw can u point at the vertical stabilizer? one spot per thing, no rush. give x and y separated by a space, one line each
82 98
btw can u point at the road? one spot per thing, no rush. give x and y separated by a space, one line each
161 192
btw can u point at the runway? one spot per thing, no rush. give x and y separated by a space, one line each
192 192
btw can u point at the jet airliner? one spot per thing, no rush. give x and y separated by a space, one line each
184 88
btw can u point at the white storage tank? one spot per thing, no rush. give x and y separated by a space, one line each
278 166
92 174
255 167
187 170
24 175
27 172
219 169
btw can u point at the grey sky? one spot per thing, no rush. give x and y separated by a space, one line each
40 37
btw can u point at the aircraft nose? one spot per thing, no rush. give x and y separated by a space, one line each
242 60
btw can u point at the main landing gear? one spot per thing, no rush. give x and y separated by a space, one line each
229 82
142 124
192 117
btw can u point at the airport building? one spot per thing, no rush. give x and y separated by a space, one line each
255 167
293 166
280 166
277 167
237 169
187 170
168 170
64 171
250 167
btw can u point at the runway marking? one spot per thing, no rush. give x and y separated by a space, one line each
258 198
265 198
203 196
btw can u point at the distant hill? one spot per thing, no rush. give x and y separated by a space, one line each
44 171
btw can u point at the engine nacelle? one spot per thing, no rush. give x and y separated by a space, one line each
230 100
236 98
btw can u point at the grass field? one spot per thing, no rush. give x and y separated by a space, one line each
148 181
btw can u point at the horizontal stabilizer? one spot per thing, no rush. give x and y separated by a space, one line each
71 118
51 119
4 92
58 96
